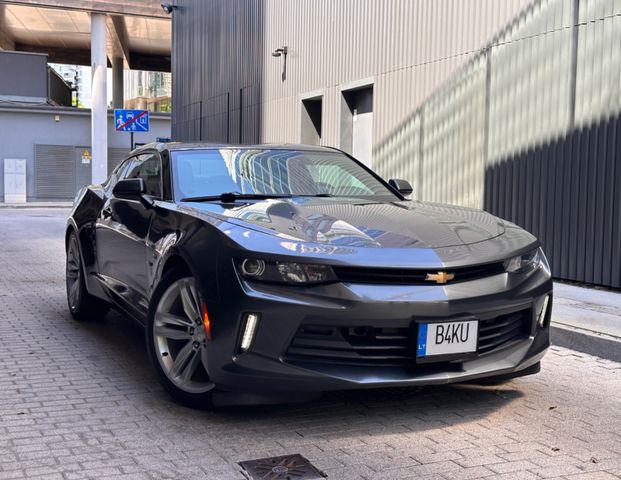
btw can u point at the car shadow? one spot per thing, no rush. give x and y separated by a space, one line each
380 410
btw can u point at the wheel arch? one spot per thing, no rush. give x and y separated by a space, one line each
175 262
175 259
71 227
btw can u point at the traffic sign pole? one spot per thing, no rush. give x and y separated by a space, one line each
131 135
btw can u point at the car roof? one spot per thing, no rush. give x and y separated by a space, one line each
175 146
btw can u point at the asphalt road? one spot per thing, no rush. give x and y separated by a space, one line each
79 400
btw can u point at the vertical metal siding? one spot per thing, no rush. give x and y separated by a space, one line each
513 106
54 171
217 65
554 164
407 48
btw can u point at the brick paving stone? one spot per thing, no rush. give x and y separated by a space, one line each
593 476
79 400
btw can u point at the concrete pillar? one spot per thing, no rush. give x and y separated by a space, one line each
99 109
117 82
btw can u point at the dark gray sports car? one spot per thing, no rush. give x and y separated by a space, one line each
273 273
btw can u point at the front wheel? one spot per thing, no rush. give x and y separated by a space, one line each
177 340
82 305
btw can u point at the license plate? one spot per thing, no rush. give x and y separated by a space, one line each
447 338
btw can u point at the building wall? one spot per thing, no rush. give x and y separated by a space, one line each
23 76
21 129
404 48
59 91
217 70
512 106
79 77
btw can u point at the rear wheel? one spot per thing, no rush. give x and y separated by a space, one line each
82 305
177 340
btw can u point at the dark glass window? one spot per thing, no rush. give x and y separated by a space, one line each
280 172
148 167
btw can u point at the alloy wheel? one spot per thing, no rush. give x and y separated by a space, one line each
180 338
73 273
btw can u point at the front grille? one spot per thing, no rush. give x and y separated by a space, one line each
381 346
502 330
352 345
410 276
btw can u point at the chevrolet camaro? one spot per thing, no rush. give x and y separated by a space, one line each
273 273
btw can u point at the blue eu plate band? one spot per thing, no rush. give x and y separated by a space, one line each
421 348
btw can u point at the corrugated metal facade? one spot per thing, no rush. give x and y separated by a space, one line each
512 106
217 60
54 171
59 175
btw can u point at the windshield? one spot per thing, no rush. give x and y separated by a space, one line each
205 173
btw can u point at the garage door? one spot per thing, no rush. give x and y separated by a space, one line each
54 172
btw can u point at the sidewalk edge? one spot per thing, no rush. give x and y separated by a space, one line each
599 345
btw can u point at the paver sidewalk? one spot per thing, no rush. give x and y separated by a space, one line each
589 309
79 400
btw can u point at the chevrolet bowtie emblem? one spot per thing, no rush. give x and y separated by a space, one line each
440 277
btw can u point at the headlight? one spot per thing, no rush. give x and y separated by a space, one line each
285 272
528 262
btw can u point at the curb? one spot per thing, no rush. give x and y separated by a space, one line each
35 205
585 341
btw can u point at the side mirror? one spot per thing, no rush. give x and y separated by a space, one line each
129 189
402 186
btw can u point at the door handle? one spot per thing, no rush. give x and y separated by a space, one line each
106 212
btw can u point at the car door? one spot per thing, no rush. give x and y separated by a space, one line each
122 231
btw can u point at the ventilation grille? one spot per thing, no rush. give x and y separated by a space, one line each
503 330
54 171
403 276
378 346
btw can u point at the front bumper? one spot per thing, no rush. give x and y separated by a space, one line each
272 366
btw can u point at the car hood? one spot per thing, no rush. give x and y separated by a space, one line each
359 223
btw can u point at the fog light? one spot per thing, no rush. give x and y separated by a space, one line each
544 309
250 327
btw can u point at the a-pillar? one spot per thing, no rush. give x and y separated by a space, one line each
117 82
99 108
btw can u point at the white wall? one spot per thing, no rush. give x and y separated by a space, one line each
22 128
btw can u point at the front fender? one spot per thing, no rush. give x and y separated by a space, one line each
178 239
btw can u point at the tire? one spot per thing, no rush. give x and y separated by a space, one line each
177 342
82 305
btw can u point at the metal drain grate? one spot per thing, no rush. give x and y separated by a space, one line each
287 467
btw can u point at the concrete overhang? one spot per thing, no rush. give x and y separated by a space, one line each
139 31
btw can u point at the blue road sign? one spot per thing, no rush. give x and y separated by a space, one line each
131 120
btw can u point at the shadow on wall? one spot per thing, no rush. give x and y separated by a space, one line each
568 193
529 130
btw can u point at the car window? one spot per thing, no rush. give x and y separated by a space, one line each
122 169
148 167
272 171
115 175
337 180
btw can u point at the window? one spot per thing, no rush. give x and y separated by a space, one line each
116 174
148 167
337 180
273 172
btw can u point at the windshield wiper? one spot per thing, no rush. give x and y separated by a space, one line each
230 197
311 195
